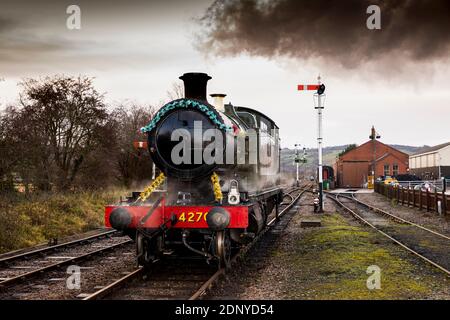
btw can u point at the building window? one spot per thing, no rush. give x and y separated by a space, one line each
395 170
386 170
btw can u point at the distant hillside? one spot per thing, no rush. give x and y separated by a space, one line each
329 157
406 149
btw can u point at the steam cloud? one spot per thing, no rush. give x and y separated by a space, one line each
415 30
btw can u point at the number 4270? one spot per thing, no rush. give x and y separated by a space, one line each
192 216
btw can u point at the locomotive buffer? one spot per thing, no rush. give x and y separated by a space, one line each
319 99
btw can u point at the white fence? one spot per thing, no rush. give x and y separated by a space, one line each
439 184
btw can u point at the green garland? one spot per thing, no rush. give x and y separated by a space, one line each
185 103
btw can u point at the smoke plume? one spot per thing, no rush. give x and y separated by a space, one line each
411 30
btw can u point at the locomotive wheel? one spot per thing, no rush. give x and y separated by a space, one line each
141 252
147 250
223 248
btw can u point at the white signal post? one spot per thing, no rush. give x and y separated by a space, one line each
297 161
319 96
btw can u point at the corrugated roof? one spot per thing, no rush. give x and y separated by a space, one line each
431 149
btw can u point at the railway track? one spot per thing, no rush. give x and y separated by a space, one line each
429 245
8 258
188 280
18 268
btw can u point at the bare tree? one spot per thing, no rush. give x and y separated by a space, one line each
131 165
25 152
6 159
176 92
70 116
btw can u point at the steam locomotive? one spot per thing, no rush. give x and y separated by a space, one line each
218 182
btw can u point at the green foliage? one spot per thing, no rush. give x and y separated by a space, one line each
32 220
348 148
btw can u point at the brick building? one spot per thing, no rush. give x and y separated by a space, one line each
354 167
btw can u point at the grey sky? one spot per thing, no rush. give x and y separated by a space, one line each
137 49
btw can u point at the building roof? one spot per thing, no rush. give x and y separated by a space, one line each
346 155
431 149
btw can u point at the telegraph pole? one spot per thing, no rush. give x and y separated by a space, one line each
373 136
319 96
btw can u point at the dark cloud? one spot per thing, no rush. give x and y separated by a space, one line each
6 24
414 30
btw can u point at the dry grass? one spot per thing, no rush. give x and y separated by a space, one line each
27 221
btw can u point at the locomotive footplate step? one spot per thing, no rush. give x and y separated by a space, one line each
310 223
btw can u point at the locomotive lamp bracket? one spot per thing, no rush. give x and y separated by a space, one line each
234 196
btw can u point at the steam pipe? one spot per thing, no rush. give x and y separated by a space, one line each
186 244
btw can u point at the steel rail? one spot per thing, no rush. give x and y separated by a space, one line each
51 248
384 212
109 288
353 213
26 275
288 206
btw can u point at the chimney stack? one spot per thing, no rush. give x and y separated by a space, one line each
195 85
218 101
372 133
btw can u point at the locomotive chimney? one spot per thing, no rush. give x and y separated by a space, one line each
195 85
218 101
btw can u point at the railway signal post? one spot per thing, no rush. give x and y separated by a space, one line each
319 99
299 159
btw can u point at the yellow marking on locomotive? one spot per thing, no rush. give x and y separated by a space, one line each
192 217
152 187
216 187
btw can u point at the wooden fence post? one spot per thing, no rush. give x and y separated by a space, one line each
414 197
444 203
436 201
420 199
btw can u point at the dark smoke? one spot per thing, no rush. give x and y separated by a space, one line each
6 24
414 30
